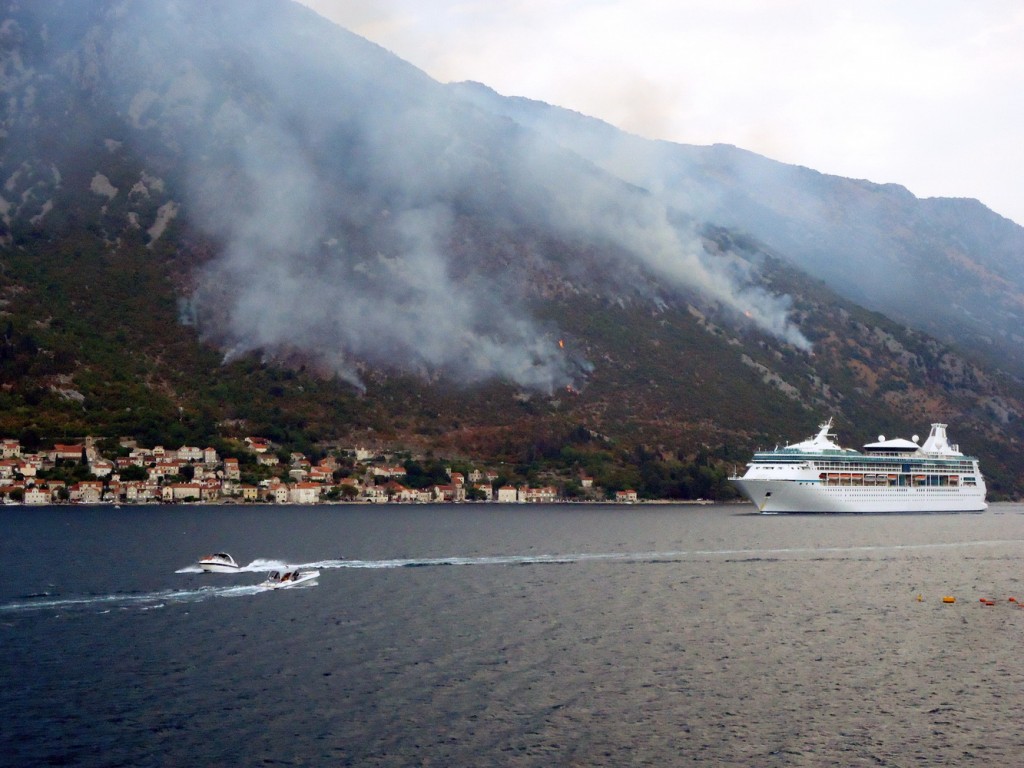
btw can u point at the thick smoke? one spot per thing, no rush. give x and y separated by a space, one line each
641 225
335 176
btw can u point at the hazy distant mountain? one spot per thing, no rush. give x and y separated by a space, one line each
950 267
294 194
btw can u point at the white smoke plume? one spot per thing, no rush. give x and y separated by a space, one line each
335 178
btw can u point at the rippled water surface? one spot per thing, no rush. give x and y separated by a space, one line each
511 636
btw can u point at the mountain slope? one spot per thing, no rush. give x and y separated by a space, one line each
951 268
235 217
328 167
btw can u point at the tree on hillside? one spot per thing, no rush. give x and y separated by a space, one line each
133 473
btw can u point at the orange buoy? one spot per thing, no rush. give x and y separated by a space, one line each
1012 600
949 599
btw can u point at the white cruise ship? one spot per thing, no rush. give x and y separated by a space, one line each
817 475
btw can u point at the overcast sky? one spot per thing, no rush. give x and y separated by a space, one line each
924 93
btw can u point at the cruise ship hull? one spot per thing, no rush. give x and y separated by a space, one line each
794 496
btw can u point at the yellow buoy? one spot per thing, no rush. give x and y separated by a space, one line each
949 599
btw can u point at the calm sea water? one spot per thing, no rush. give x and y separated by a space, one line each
511 636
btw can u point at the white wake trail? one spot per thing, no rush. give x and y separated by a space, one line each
640 557
162 598
141 600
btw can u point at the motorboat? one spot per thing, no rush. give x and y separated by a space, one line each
220 562
292 578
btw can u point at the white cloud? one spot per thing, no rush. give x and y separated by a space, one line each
923 93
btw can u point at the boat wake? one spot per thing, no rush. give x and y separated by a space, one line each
640 557
125 601
164 598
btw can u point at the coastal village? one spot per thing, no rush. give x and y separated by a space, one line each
198 475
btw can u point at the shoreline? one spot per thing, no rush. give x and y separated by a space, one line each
238 503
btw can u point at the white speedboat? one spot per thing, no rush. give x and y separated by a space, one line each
220 562
292 578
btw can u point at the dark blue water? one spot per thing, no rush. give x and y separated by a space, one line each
495 635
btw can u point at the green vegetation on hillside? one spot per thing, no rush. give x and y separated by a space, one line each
677 399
